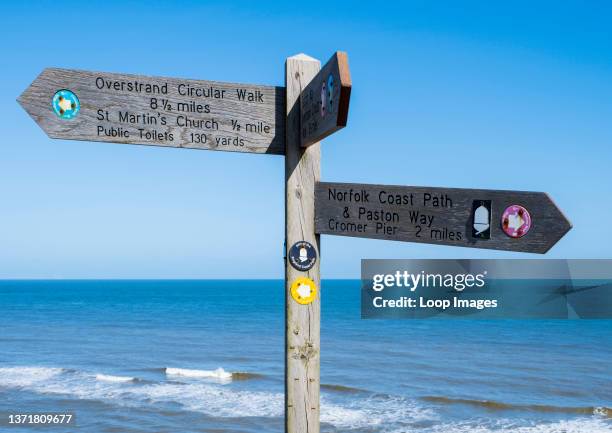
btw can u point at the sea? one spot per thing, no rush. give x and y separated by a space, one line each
143 356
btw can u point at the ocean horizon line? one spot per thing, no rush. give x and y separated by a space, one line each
157 279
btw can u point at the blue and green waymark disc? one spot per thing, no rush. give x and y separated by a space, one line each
65 104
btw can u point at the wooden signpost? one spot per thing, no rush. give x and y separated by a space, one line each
302 321
445 216
196 114
290 121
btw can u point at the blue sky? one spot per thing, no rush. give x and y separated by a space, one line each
443 95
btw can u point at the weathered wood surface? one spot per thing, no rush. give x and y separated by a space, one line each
192 114
302 170
325 101
450 222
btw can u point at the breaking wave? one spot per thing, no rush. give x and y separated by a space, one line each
209 397
219 373
115 379
363 410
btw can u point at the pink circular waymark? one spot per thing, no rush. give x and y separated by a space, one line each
516 221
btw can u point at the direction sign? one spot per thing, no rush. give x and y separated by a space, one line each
324 103
134 109
501 220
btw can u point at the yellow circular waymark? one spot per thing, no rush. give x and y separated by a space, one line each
303 290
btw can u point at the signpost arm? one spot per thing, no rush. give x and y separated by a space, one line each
302 322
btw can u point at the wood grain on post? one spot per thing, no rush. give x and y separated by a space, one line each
302 171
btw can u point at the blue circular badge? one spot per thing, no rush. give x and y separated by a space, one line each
65 104
302 256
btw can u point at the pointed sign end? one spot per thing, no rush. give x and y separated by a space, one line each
21 99
565 221
562 223
37 103
25 98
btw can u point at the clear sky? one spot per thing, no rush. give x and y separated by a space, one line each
446 95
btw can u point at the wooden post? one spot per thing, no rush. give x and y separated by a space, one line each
302 322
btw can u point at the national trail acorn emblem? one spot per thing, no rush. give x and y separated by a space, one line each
65 104
302 256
